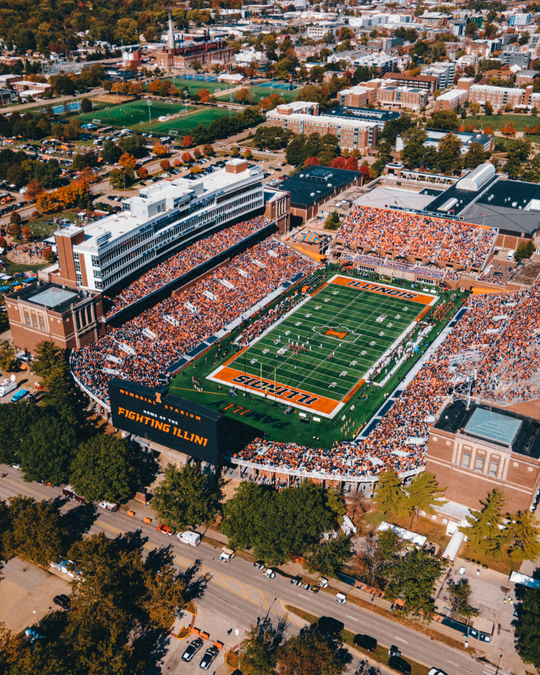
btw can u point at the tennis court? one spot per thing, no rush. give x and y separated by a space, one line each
318 356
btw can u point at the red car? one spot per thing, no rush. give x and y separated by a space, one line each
166 530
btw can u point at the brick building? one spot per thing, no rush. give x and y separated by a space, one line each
303 118
450 100
500 97
71 318
378 91
205 53
428 82
473 451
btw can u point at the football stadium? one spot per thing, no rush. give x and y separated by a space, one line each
239 349
325 349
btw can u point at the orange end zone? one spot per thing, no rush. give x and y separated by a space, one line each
382 289
291 395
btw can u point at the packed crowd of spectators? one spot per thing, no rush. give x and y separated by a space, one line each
399 441
183 262
374 262
398 233
144 348
510 372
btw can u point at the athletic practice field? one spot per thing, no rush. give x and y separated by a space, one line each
265 91
319 354
135 115
194 86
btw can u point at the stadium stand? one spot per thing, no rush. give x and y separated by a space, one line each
399 441
189 258
400 233
144 348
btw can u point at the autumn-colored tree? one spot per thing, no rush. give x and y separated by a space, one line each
461 128
65 197
195 169
312 161
33 190
243 95
352 164
203 95
154 87
187 158
27 233
160 150
197 153
3 243
142 172
339 163
165 164
248 154
488 131
14 230
127 161
235 151
209 151
187 142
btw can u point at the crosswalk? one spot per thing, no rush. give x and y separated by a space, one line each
491 670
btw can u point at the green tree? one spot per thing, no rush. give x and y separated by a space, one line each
311 653
460 593
186 497
15 421
380 554
47 450
524 250
444 119
7 357
414 140
522 536
389 495
394 128
485 527
35 532
449 153
110 153
526 626
48 357
102 469
86 105
258 652
328 557
421 495
475 156
413 580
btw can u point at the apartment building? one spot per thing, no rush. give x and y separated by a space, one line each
427 82
450 100
156 223
500 97
379 92
443 71
303 117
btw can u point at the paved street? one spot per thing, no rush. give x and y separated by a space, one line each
242 593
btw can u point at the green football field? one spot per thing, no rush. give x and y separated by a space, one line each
183 125
132 113
264 92
194 86
342 332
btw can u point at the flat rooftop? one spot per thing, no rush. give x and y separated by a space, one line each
50 296
117 225
314 183
495 425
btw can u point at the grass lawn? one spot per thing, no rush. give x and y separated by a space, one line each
43 226
496 122
132 114
264 92
183 125
505 565
270 416
11 267
194 86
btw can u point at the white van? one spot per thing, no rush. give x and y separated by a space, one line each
226 554
6 386
342 598
191 538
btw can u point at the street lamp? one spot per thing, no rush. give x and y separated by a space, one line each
498 664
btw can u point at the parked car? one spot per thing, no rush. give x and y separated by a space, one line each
166 530
296 581
192 648
437 671
108 506
18 395
269 573
62 601
399 664
329 626
209 655
342 598
258 564
366 642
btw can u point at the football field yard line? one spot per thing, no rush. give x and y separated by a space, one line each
358 323
307 365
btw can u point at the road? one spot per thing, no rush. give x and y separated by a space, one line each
241 587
